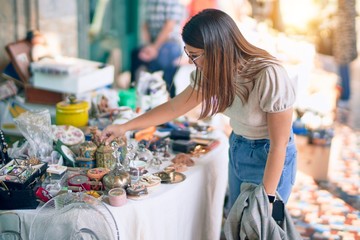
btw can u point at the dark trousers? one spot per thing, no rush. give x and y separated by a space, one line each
165 61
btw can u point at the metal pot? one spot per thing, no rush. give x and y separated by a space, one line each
116 178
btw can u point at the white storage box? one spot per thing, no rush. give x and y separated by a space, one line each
71 75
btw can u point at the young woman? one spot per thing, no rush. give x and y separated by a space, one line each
245 83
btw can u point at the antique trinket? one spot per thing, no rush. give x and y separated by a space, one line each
79 182
117 197
95 138
105 157
118 177
105 153
87 151
72 112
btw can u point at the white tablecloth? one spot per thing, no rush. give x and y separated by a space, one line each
190 210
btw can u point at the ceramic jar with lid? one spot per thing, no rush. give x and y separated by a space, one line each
105 157
108 155
117 197
87 151
73 113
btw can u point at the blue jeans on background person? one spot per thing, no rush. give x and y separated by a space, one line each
344 72
165 61
247 160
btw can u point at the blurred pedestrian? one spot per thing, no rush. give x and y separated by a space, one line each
161 35
344 48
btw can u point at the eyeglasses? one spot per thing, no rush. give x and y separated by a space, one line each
193 58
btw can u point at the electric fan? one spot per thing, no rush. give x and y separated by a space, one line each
75 216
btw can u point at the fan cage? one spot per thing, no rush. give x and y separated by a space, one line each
74 216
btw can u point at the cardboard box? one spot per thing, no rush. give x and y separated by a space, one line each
96 76
18 70
40 96
316 160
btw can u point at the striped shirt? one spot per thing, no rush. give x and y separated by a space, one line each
160 11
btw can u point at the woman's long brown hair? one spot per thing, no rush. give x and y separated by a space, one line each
228 57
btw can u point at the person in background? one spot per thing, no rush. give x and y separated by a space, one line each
248 85
162 42
39 46
344 48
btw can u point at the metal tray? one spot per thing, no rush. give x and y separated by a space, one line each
172 177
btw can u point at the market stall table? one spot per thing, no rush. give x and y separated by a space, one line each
191 209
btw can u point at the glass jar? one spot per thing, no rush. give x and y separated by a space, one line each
122 148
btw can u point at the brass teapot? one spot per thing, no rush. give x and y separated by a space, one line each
118 177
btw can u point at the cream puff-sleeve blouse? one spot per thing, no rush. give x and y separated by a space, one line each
273 92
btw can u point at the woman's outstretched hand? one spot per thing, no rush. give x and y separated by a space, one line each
111 132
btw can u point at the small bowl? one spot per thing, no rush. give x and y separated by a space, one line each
138 164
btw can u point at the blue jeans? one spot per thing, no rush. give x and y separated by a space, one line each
344 72
168 53
247 164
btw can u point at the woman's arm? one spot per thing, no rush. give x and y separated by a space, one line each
279 126
165 112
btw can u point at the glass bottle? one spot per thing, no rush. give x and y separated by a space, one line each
143 153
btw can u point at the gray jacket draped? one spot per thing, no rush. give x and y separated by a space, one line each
250 218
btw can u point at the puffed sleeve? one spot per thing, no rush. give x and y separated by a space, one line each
276 91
